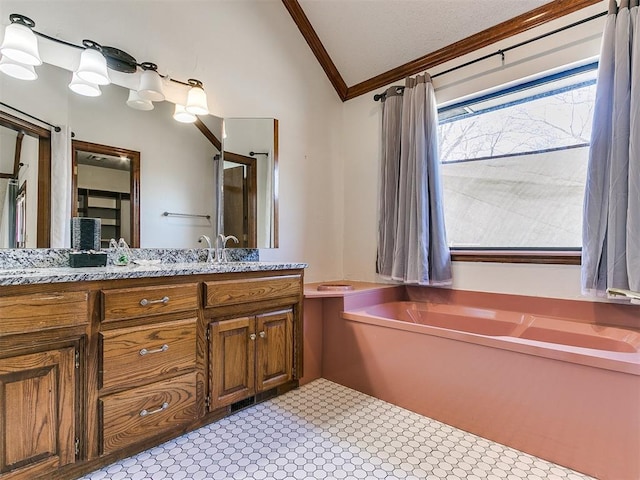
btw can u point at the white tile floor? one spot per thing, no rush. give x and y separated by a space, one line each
325 430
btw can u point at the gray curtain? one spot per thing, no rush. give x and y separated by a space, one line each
412 243
611 217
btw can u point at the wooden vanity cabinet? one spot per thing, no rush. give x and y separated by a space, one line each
249 355
92 372
40 371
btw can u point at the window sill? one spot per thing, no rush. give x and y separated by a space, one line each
509 256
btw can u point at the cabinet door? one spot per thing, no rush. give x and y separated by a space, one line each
274 349
37 413
232 361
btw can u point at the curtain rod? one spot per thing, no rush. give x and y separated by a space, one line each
501 52
55 127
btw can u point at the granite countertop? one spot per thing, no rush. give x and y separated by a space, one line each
28 276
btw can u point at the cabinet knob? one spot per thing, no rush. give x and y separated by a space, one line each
252 336
263 334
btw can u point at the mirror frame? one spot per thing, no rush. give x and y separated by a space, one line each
134 181
43 221
276 186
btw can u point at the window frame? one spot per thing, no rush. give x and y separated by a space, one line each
553 256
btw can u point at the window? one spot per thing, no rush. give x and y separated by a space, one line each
514 164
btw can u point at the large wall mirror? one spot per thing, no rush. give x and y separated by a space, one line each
180 174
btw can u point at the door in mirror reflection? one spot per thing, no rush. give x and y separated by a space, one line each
105 186
240 201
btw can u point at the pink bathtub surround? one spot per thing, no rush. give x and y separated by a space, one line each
559 379
314 304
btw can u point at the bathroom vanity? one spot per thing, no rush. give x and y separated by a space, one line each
96 365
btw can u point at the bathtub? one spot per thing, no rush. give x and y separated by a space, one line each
564 390
589 344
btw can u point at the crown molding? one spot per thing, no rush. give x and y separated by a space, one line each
534 18
310 35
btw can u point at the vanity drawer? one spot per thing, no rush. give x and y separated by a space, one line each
234 292
138 354
120 304
141 413
40 311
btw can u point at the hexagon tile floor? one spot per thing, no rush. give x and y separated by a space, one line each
325 430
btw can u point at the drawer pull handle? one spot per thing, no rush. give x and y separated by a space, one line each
263 334
145 412
144 302
252 336
163 348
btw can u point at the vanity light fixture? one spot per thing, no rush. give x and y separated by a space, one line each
150 83
17 70
93 65
82 87
20 43
196 99
138 103
20 55
180 114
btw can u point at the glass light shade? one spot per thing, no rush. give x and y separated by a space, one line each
17 69
134 101
181 115
197 102
82 87
21 45
151 86
93 67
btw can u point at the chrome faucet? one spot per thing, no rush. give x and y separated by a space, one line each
209 248
221 246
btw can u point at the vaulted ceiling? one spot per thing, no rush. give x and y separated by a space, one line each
363 45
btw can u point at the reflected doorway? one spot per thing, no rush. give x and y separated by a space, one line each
106 185
240 199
